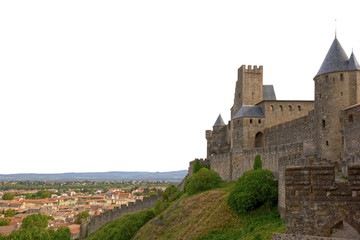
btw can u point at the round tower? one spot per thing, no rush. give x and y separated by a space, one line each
335 88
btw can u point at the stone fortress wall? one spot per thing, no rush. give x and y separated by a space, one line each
316 194
97 221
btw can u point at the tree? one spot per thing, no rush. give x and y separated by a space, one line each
35 221
196 166
8 196
171 193
257 162
81 216
4 222
252 190
10 213
203 180
61 233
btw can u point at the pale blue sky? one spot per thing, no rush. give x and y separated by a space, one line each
133 85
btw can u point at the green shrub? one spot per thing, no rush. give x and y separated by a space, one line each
203 180
171 193
257 162
8 196
4 222
35 221
254 189
197 166
123 228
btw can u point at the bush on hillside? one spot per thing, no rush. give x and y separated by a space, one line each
171 193
197 166
254 189
257 162
203 180
123 228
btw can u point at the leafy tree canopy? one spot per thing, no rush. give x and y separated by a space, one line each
257 162
252 190
203 180
8 196
35 221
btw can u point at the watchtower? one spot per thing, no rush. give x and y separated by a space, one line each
249 87
336 87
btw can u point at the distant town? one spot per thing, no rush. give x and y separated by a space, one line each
68 203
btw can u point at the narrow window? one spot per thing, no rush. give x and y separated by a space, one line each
327 143
341 93
252 93
351 118
323 123
272 108
259 121
280 107
341 77
320 96
299 108
250 120
239 95
290 108
327 78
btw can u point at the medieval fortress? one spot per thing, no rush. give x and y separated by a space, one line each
312 147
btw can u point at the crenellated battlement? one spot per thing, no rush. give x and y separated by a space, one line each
250 68
95 222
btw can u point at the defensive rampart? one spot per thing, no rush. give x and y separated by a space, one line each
298 130
98 221
317 200
222 165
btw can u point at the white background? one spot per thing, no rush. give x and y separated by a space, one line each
133 85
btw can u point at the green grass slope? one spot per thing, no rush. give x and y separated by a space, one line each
207 216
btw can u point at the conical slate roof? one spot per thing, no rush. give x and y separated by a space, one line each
335 60
353 63
219 121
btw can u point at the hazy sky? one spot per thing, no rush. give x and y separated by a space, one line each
133 85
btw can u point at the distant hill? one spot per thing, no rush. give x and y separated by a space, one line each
174 176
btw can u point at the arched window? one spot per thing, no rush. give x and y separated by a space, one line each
290 108
299 108
281 108
259 140
323 123
272 108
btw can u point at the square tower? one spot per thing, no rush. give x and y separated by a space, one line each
249 87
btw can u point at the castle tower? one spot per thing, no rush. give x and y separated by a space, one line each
336 87
217 142
249 87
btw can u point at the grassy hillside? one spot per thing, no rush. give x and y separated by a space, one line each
207 216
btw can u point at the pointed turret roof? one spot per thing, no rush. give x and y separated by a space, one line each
335 60
219 121
353 63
